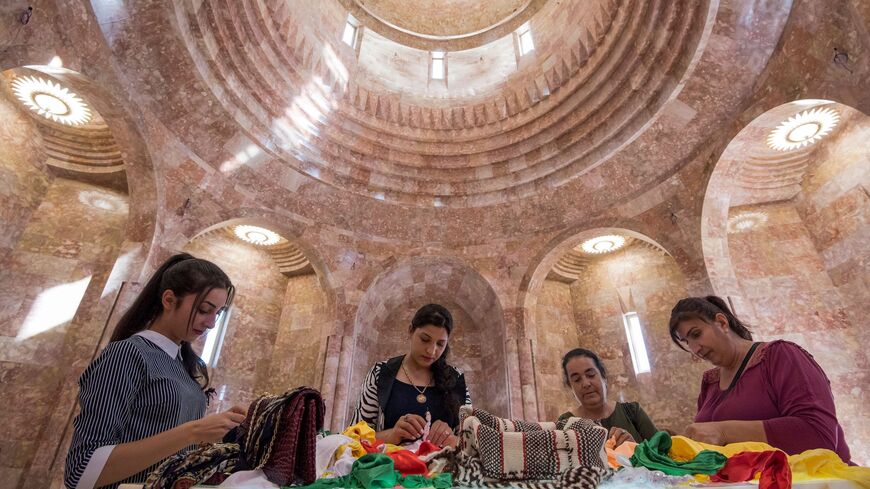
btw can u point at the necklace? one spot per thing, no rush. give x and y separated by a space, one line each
421 397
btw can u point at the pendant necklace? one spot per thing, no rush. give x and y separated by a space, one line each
421 397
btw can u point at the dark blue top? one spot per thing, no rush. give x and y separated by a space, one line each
403 400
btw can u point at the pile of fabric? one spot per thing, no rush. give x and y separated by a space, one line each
675 461
277 437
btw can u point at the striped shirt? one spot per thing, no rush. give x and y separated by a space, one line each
134 389
369 408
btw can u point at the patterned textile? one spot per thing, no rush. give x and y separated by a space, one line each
279 436
496 452
207 464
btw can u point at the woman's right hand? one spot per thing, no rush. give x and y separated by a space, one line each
212 428
408 427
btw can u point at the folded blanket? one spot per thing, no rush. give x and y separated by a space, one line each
494 450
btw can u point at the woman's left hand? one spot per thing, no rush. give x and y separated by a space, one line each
712 433
440 433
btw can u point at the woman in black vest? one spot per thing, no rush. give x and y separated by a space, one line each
397 393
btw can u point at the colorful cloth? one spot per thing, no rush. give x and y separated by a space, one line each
614 453
502 449
684 449
327 448
407 463
784 387
377 471
211 464
773 466
279 435
360 432
825 464
653 454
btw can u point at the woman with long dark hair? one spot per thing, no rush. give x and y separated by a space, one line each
143 398
398 393
772 392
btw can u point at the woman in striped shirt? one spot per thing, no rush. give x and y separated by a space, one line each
143 398
396 394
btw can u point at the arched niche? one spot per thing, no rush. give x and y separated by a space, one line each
274 338
578 298
784 233
477 343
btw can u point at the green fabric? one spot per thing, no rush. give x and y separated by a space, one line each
377 471
653 454
441 481
628 416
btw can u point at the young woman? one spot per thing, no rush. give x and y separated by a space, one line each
143 398
397 393
585 375
770 392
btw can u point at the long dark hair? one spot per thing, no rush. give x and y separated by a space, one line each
581 352
183 274
442 374
705 309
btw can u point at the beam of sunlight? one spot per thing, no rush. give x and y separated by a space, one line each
53 307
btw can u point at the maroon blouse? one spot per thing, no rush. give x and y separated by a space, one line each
786 389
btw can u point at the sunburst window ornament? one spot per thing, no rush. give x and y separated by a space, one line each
803 129
603 244
51 100
746 221
256 235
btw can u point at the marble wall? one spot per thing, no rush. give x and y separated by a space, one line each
784 278
53 292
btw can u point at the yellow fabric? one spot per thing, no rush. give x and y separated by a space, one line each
361 432
356 449
684 449
392 448
826 464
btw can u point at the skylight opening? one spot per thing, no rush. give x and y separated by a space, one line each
524 36
351 27
439 65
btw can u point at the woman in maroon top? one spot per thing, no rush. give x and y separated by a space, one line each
769 392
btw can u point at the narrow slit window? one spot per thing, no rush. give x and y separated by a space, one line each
636 345
214 340
350 30
439 65
524 35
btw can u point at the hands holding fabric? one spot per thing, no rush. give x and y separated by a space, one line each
619 436
712 433
412 426
212 428
442 435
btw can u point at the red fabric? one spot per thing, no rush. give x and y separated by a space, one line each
773 465
376 447
426 448
407 463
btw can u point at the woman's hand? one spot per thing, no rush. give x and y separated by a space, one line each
408 427
212 428
440 433
619 436
711 433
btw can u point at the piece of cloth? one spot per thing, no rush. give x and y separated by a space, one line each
356 448
637 477
279 435
326 449
825 464
377 471
772 465
360 431
628 416
626 450
516 450
683 449
133 390
784 387
653 454
208 464
378 386
426 448
248 479
343 463
408 463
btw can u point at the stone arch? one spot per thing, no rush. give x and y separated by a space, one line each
389 301
784 234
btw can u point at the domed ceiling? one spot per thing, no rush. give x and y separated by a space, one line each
269 95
